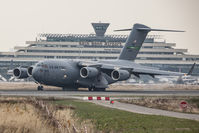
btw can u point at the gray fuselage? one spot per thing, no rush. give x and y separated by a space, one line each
63 73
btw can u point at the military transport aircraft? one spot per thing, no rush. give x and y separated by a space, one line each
94 75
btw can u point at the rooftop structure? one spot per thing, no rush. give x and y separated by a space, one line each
100 28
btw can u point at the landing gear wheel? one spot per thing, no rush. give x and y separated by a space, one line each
90 89
70 88
40 88
100 89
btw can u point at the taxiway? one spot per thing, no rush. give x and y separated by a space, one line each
66 94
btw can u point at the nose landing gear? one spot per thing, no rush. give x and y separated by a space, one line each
40 88
90 89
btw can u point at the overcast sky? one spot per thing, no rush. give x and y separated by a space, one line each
22 20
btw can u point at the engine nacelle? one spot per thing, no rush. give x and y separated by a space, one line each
88 72
120 75
20 73
29 72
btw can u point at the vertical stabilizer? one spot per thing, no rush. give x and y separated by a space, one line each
134 42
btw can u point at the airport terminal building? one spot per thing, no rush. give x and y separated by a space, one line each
155 52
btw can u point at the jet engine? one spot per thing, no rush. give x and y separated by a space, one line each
88 72
29 72
20 73
120 75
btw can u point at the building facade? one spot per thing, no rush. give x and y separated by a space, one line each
155 52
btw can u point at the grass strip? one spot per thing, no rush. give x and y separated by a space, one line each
114 120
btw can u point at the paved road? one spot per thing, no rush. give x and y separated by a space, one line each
107 93
145 110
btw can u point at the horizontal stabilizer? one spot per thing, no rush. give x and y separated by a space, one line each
149 29
123 30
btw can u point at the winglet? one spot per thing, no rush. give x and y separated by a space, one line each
191 70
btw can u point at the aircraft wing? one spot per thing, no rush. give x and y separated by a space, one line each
108 68
153 72
89 64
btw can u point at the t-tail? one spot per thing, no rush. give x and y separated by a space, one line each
135 40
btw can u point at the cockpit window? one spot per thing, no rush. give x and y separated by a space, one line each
44 66
38 65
